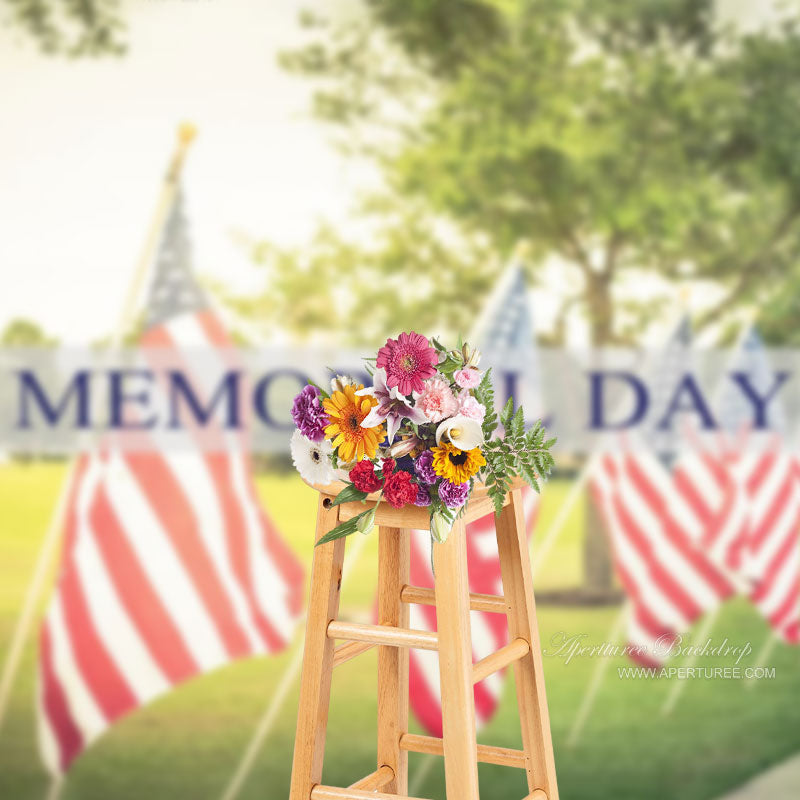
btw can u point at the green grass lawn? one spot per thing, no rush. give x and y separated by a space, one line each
187 744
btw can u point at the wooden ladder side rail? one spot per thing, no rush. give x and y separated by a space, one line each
344 652
375 781
513 651
317 672
383 634
487 754
394 564
320 792
477 602
515 567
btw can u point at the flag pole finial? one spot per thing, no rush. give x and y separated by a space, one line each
187 131
522 250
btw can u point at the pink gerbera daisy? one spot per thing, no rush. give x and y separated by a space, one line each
408 361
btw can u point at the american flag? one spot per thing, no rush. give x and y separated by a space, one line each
654 534
170 567
746 486
653 530
505 336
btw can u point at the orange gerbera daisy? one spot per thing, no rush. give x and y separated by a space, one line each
346 412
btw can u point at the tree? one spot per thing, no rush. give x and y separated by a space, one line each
416 275
625 139
20 332
70 27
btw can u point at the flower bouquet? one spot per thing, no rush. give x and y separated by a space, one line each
421 434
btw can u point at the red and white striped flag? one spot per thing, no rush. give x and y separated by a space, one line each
170 566
751 497
655 534
489 631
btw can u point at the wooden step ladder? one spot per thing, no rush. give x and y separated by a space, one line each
393 637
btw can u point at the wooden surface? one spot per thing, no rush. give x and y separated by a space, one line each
513 651
332 793
394 554
382 634
375 781
453 600
528 671
487 754
455 665
348 650
315 680
477 602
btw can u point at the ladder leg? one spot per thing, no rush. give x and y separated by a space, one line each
315 682
455 666
528 671
393 571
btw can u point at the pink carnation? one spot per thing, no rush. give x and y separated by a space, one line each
437 400
468 406
467 378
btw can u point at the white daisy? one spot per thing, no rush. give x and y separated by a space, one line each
312 459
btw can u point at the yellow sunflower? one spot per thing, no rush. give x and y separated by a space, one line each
346 412
457 466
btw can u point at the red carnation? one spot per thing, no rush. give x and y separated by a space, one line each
399 490
388 467
364 478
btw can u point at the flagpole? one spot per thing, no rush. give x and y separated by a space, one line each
599 674
763 655
166 197
677 688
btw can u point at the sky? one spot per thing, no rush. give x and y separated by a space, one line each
83 146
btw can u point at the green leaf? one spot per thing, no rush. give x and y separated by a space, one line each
348 495
322 392
505 414
343 529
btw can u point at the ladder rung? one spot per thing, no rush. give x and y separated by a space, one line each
502 658
332 793
375 780
344 652
487 754
383 634
477 602
537 794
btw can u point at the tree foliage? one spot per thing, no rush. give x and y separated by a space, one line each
622 137
416 275
20 332
70 27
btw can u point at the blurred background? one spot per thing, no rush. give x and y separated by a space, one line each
363 167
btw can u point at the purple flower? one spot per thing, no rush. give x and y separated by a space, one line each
454 495
423 497
308 414
392 407
423 466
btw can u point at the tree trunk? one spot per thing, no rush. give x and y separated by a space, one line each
597 566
